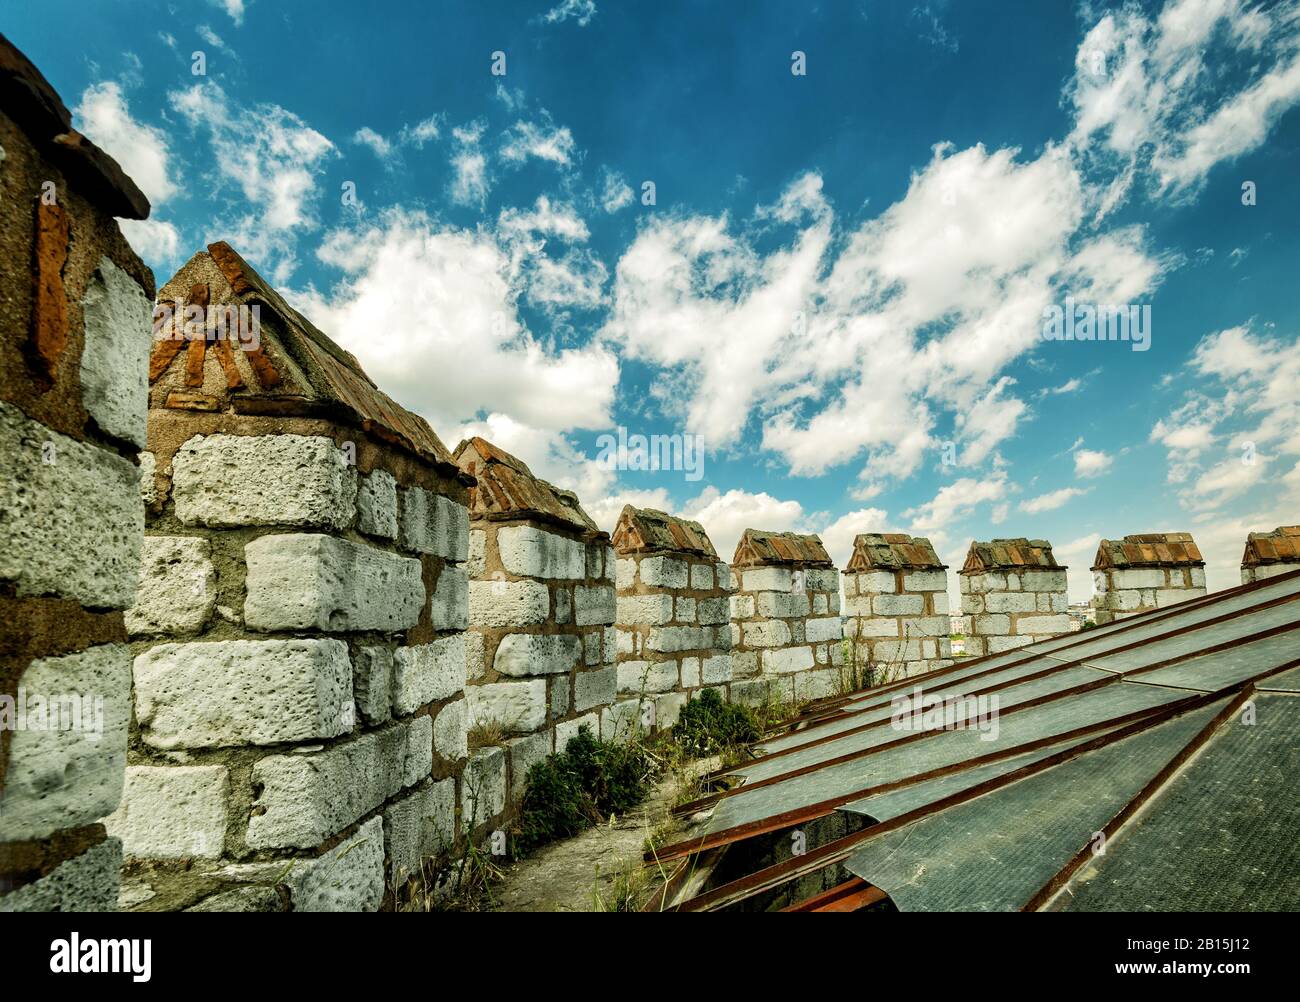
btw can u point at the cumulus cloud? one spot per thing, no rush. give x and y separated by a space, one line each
1051 500
1091 462
582 11
105 118
725 515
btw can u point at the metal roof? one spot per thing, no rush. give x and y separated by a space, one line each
647 530
1134 730
893 551
1153 549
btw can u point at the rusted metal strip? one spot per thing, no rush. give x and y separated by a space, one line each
1062 877
840 849
846 897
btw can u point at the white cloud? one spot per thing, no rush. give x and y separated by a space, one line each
726 515
212 38
235 8
616 193
1051 500
1091 462
141 150
838 536
542 141
156 241
582 11
366 136
430 311
470 179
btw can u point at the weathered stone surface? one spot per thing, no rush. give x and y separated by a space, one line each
241 899
594 688
568 730
234 480
508 603
898 605
483 788
636 610
714 611
782 605
531 552
702 577
625 575
787 659
477 553
242 692
419 826
647 676
524 754
450 730
172 812
522 654
60 500
303 581
766 579
115 359
518 707
449 607
594 606
434 524
428 672
306 798
178 587
67 752
475 656
377 505
85 883
148 479
348 878
766 633
665 572
821 630
372 681
1043 624
716 669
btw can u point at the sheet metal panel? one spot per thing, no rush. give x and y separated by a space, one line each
1223 668
938 749
1223 835
1204 637
995 852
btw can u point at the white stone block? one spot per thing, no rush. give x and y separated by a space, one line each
568 730
420 826
304 581
647 676
305 798
483 787
517 707
477 564
716 670
1043 624
898 605
787 659
347 878
377 505
372 683
115 360
524 753
227 481
67 749
782 605
242 692
178 587
433 524
766 579
449 605
925 581
594 688
451 730
594 605
508 603
521 654
625 576
702 577
428 673
61 500
172 812
820 630
531 552
765 633
635 610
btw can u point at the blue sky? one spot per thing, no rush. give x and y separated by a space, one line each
841 282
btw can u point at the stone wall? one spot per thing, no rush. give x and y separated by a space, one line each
1269 554
896 603
674 633
1145 572
75 304
299 733
1013 592
541 617
785 619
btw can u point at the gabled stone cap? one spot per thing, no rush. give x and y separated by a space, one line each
893 551
1281 546
1010 555
1152 549
507 489
647 530
759 548
295 369
36 108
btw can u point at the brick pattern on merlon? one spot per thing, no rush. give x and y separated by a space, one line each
785 619
1269 554
1013 592
75 302
674 634
541 616
298 636
1143 572
896 607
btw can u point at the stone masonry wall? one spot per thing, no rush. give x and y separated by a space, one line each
896 603
541 646
785 624
299 662
1142 573
1013 593
75 306
674 634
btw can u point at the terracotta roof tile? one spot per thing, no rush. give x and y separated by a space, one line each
1281 546
1009 554
893 551
1152 549
757 547
646 530
507 489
